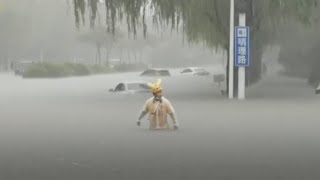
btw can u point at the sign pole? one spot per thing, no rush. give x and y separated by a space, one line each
231 51
242 69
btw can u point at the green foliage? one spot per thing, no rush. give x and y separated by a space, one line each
51 70
76 69
45 70
36 71
54 70
99 69
125 67
207 21
79 10
204 21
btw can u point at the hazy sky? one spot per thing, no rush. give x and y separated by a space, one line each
46 28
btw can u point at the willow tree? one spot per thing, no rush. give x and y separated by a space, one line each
301 59
205 21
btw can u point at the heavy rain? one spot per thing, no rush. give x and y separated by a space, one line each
74 79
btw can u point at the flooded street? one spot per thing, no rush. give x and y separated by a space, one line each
75 77
74 128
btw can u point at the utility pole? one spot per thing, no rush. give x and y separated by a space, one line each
231 50
242 69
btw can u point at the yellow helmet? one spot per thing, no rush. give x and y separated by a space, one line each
155 87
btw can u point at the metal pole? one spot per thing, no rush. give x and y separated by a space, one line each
242 69
231 49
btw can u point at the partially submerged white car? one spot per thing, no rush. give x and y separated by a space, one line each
155 72
196 71
318 89
131 87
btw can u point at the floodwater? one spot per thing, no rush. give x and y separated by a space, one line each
74 129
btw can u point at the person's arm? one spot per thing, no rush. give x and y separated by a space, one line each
174 120
173 116
142 114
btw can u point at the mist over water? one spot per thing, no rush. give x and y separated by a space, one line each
73 128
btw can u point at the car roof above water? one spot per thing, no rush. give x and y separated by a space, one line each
134 82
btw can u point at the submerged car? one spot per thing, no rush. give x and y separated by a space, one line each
196 71
21 67
131 87
317 91
156 72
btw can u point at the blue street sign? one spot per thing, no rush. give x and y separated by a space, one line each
242 46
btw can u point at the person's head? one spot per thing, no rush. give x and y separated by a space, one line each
156 88
157 94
